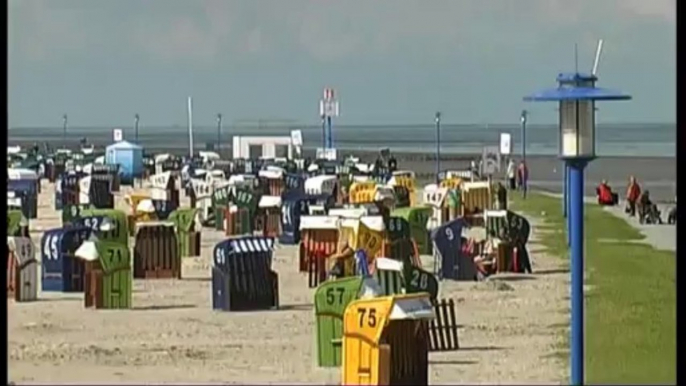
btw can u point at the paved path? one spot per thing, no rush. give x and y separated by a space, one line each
661 237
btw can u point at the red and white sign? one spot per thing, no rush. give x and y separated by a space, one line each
328 107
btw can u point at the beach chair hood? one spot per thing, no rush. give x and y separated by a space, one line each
22 247
15 220
186 220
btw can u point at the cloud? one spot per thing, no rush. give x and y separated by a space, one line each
194 33
327 37
571 12
659 9
331 30
38 30
253 43
208 31
177 38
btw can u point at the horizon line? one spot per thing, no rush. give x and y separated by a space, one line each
273 123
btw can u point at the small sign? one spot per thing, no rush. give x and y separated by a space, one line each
118 135
490 159
296 137
328 108
505 143
327 154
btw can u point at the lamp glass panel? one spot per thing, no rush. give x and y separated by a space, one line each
577 129
568 139
586 128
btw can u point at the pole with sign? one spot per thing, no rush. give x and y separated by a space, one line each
328 108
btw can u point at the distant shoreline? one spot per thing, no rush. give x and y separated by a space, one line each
658 174
296 124
415 141
446 153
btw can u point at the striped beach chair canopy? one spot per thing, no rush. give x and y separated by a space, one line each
241 245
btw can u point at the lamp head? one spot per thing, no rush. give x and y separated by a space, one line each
577 129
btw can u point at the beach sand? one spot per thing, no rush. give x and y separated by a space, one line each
509 329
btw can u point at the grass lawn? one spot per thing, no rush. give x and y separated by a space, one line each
631 309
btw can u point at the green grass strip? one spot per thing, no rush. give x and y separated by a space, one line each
631 309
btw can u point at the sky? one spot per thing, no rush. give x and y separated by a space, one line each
389 61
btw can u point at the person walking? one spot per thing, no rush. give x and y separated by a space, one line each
633 192
511 174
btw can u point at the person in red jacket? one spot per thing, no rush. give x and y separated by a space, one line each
605 195
633 192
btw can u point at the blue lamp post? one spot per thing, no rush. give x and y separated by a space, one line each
324 135
576 94
565 200
329 135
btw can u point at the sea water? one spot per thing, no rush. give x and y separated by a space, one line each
647 140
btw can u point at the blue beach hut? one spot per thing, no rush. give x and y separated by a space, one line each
129 157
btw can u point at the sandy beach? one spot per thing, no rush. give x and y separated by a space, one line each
342 125
509 329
